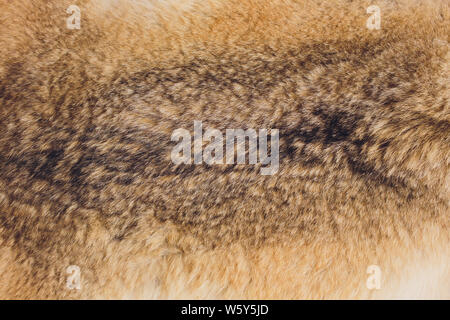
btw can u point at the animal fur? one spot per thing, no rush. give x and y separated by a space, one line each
86 177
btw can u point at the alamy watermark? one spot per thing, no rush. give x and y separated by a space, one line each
374 280
73 281
235 143
74 21
374 21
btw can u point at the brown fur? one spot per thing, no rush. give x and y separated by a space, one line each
86 177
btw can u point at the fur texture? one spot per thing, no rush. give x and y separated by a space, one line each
86 177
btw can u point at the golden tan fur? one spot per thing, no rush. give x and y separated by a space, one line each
86 177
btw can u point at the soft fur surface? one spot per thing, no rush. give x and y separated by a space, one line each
86 177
